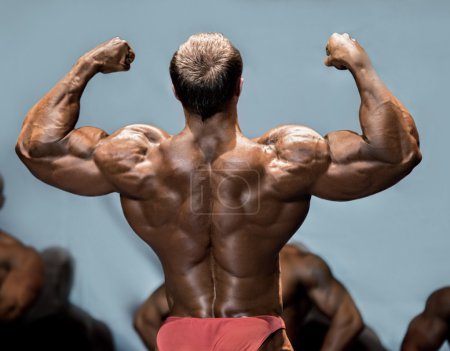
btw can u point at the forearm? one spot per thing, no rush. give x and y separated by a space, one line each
56 114
149 338
387 126
147 332
344 329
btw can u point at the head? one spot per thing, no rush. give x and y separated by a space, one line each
2 197
206 74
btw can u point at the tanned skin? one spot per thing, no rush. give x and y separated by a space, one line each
21 275
150 316
430 329
306 279
306 283
215 206
35 311
315 301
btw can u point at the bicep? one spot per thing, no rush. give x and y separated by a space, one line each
354 170
69 164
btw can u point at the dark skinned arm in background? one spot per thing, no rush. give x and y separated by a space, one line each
430 329
333 300
150 316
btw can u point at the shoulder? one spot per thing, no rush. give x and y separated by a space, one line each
128 141
438 303
310 269
297 144
6 238
129 156
138 133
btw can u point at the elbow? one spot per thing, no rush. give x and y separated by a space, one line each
416 157
412 159
357 324
138 322
26 150
31 150
354 323
21 149
405 160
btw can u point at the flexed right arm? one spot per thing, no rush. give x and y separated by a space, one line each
388 148
345 165
49 145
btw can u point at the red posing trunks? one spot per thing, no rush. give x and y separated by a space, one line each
216 334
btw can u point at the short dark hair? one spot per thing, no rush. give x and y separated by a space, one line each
205 72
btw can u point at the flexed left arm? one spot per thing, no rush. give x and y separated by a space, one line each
50 146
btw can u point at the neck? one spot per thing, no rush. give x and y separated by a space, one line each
216 134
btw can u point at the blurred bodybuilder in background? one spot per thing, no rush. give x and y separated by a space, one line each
35 311
430 329
21 274
317 309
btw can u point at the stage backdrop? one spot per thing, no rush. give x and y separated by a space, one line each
390 250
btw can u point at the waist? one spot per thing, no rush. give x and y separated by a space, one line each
275 322
199 319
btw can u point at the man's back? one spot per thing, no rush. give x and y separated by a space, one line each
215 206
318 311
216 223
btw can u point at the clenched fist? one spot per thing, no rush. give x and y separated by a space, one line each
114 55
344 52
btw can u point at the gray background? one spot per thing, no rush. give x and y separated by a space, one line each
390 250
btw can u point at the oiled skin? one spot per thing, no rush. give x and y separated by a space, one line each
215 206
431 328
307 284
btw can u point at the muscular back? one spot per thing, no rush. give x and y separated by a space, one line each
215 206
216 221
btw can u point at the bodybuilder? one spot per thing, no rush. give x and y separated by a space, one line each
21 275
430 329
215 206
35 312
318 311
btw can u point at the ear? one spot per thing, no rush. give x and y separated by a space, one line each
239 86
175 92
